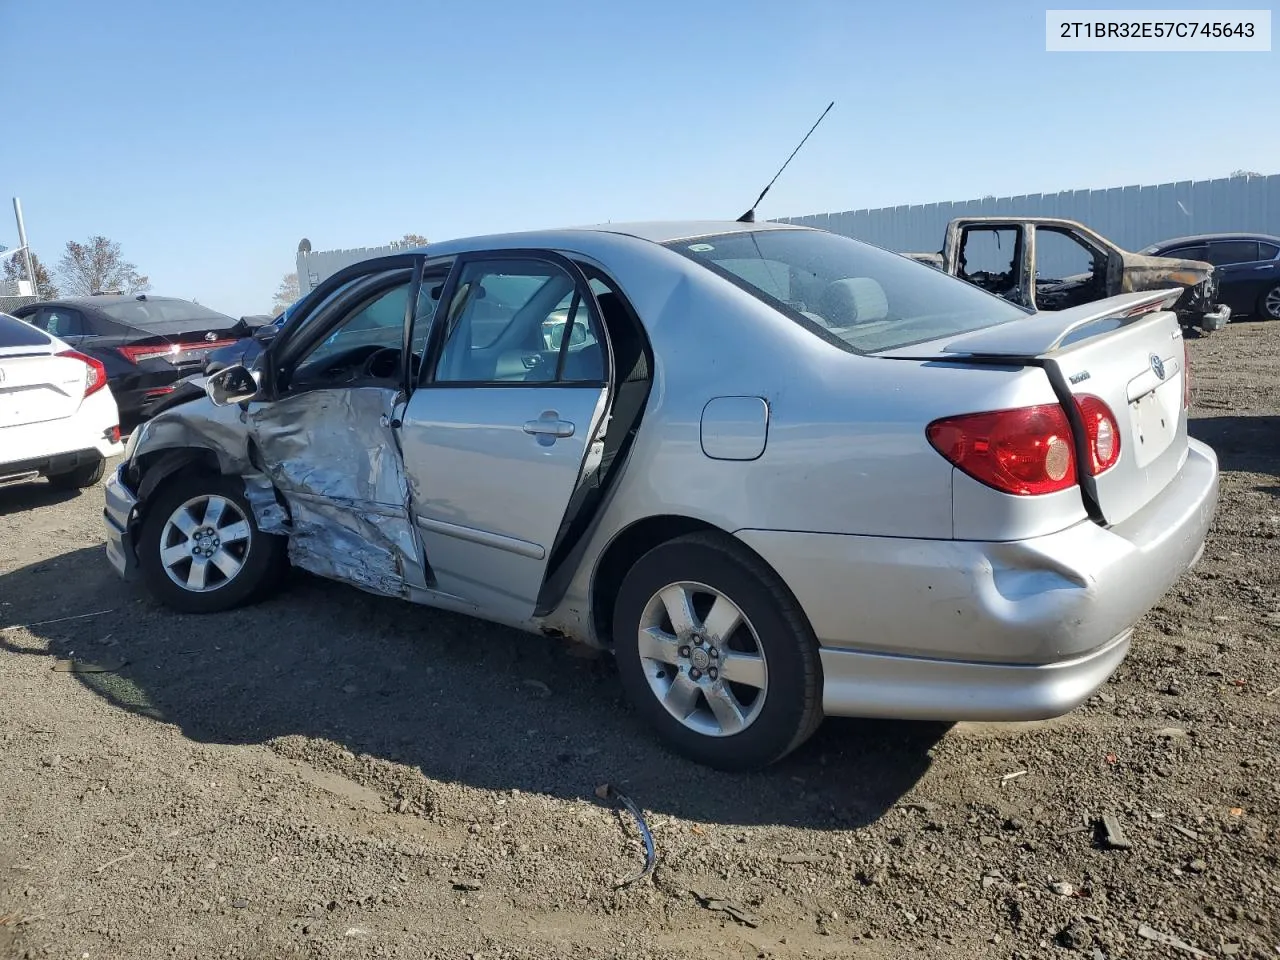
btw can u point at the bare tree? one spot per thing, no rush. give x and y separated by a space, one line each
45 287
97 267
410 240
289 292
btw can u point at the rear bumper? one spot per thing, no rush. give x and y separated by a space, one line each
50 465
118 517
1214 319
948 629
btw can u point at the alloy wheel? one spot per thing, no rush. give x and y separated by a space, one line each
205 543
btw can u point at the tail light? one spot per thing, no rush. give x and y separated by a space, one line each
1102 434
138 354
97 378
1186 376
1026 451
112 434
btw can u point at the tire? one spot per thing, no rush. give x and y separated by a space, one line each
82 476
776 717
261 557
1269 304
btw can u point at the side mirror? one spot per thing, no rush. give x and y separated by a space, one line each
266 333
235 384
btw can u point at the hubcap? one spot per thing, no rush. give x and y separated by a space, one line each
703 659
205 543
1272 303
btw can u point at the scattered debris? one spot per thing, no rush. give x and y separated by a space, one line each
119 859
45 623
239 903
1075 936
81 666
1272 693
734 910
1197 866
1171 733
1013 776
1237 811
1062 888
606 791
1112 835
1186 832
356 932
1168 940
466 886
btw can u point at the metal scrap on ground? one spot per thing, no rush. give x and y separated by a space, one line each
606 791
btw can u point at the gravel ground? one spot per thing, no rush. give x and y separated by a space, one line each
335 775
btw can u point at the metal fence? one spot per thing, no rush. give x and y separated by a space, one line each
1131 217
316 265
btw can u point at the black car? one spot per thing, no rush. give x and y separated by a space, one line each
146 343
1248 268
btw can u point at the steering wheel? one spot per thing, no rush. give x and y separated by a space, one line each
384 364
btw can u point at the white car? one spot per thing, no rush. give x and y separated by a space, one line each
57 417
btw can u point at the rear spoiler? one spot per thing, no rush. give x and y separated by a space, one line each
1045 332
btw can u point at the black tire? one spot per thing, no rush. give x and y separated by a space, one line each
264 562
1263 312
792 708
85 475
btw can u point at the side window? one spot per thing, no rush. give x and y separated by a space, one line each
1267 251
376 322
519 321
1225 252
59 321
1188 253
992 251
1063 256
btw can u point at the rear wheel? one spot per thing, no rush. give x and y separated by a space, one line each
1269 304
716 654
200 548
82 476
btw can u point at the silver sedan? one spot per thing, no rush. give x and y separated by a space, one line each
779 473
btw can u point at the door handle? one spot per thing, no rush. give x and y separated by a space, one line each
551 426
1265 266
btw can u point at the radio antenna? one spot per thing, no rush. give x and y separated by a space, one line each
750 215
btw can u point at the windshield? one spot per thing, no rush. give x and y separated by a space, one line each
147 313
856 295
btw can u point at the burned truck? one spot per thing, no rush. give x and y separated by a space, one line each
1046 263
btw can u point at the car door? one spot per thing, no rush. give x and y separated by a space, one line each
1234 262
335 386
505 421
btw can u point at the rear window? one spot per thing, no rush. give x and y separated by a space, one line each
16 333
145 313
858 296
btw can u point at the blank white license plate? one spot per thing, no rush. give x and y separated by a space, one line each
1154 427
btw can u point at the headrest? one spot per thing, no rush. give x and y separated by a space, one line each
854 300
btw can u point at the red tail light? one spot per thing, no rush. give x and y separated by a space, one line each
1186 376
1025 451
112 434
97 378
137 354
1102 433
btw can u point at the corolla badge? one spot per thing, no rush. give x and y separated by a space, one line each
1157 366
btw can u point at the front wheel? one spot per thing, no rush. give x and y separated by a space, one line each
200 548
716 654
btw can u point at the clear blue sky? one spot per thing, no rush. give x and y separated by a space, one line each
209 137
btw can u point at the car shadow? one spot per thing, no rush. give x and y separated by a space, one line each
18 497
460 699
1242 443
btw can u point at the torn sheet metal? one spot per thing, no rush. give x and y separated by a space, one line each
335 459
270 515
199 424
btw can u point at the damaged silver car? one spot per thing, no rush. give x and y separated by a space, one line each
780 473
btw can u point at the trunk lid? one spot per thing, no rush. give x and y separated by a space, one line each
36 387
1128 352
182 343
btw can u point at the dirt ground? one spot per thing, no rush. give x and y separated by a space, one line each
334 775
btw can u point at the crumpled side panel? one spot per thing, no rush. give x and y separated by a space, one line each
267 511
222 430
334 458
339 541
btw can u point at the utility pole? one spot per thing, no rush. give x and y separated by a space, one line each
26 251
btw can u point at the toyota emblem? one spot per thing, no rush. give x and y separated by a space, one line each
1157 366
213 336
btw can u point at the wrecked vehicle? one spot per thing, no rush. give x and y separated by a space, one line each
1046 263
779 473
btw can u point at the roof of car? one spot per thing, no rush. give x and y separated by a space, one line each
656 231
106 299
1204 237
